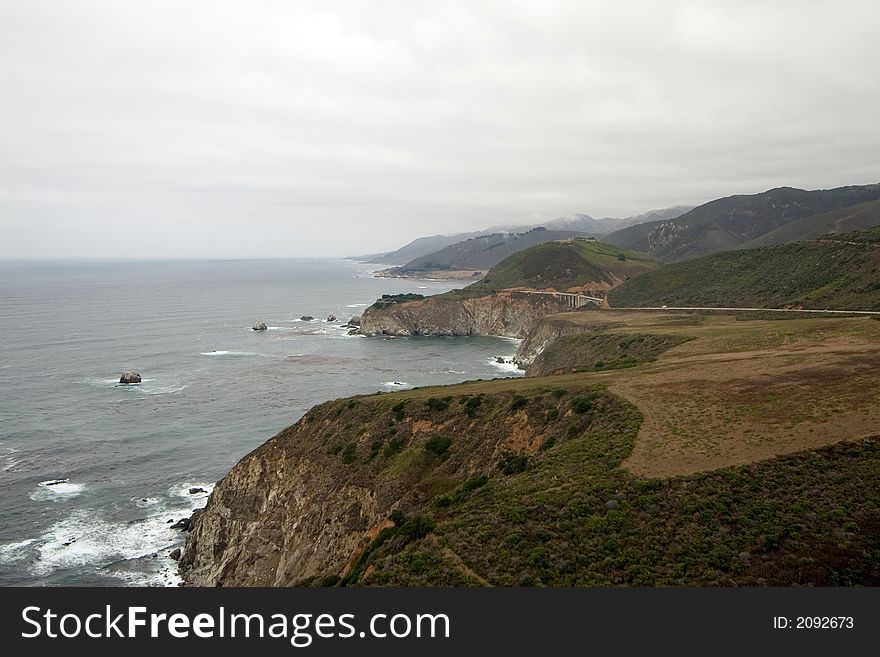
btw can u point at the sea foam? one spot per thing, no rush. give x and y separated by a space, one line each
56 490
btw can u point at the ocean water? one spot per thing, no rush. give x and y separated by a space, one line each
92 472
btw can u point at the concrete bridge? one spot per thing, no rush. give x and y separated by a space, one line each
574 300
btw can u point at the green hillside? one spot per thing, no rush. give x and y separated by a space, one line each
480 253
841 272
564 265
728 223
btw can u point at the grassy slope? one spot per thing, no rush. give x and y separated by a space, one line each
727 223
818 275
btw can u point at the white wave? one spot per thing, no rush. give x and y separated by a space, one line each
14 552
223 352
56 490
397 384
357 305
183 490
507 366
167 575
86 539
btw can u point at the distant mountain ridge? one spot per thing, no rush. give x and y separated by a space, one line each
851 218
478 254
734 221
581 223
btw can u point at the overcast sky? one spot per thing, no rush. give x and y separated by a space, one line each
263 129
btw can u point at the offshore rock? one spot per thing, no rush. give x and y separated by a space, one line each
130 377
260 326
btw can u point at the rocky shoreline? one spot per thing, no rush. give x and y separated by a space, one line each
502 314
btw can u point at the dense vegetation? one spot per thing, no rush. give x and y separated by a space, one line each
730 222
823 274
566 513
391 299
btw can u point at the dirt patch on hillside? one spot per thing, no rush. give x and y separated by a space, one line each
704 413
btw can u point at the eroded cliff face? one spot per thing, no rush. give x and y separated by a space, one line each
507 314
305 505
543 334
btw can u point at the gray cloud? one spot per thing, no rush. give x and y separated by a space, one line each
211 128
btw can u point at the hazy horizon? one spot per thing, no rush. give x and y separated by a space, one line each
226 130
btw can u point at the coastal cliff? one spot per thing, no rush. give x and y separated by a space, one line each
308 506
506 314
501 303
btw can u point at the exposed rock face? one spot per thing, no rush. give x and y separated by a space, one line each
307 318
276 519
354 321
506 314
130 377
541 336
331 318
260 326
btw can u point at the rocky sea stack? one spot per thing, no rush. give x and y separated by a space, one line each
130 377
260 326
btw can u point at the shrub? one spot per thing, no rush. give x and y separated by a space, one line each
398 410
472 404
391 299
549 441
513 464
394 446
584 403
349 454
474 483
417 527
329 580
375 446
335 449
438 444
437 405
518 402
